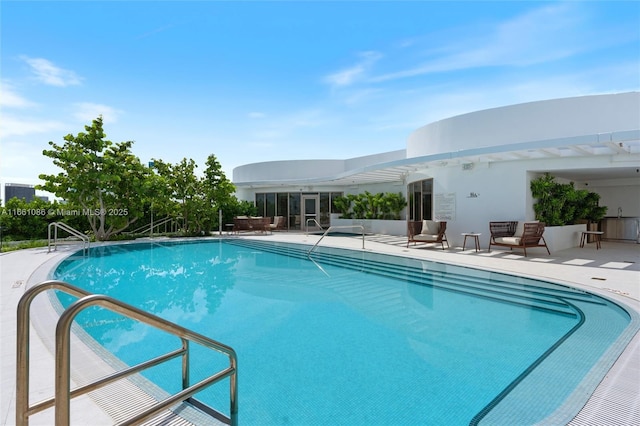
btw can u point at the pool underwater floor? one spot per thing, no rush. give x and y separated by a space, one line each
616 401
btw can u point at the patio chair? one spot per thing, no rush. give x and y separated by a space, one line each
259 224
514 234
427 231
240 224
278 223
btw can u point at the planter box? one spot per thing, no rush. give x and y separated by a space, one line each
372 226
563 237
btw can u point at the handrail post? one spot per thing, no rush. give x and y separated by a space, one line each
22 361
22 343
306 225
233 392
63 370
185 363
336 227
85 240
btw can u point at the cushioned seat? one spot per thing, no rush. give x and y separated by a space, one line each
427 231
514 234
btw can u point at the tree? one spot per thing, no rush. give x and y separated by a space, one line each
199 199
102 180
183 188
218 191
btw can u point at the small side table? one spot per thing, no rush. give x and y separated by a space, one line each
597 236
229 228
475 237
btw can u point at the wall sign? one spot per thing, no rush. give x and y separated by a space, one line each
445 206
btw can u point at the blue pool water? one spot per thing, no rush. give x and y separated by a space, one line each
353 337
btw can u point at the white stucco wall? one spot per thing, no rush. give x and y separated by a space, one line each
497 198
533 121
503 192
622 193
287 170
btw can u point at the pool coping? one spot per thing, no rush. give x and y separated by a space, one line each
595 407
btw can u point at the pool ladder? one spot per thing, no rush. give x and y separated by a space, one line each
63 393
53 240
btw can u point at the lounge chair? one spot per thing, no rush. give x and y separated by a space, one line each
427 231
278 223
515 234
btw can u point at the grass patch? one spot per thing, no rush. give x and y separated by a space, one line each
21 245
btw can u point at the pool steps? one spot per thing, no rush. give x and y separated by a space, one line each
533 297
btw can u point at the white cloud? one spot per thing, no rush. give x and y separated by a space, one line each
355 73
22 162
17 126
48 73
256 115
285 126
530 38
10 99
87 112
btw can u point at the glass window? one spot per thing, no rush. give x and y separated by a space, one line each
282 208
270 205
294 211
420 199
288 205
324 210
260 203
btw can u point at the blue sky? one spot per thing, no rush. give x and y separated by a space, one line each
264 81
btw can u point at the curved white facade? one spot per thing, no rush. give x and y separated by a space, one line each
482 162
306 170
533 121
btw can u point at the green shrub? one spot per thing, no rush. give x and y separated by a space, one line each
562 204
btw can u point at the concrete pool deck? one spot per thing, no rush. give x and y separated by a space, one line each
613 271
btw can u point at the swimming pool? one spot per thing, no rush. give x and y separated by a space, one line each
356 337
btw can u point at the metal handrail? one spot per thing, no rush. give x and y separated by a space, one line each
149 227
61 225
336 227
63 392
306 225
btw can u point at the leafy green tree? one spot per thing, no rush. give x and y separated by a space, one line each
159 204
198 200
184 189
218 192
105 180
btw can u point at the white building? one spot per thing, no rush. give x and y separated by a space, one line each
472 168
